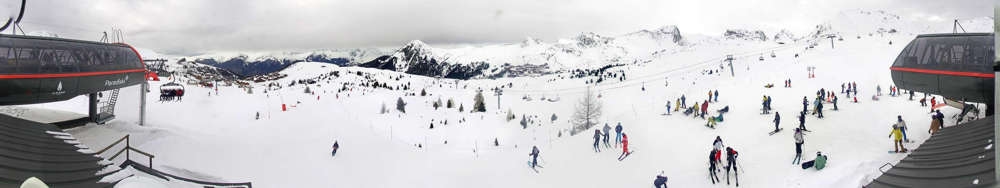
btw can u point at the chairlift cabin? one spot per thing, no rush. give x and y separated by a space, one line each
953 65
171 91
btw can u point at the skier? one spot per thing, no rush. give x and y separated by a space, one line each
805 104
607 133
335 147
802 120
777 121
841 87
534 156
819 162
898 140
716 95
713 160
923 101
854 87
709 95
763 104
902 127
660 181
798 146
835 103
704 109
597 140
618 135
819 109
668 107
878 90
911 94
933 103
717 143
731 156
683 101
768 103
625 151
677 105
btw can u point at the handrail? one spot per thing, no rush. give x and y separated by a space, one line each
160 173
128 147
112 144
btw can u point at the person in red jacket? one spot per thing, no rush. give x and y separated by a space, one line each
933 102
704 109
624 147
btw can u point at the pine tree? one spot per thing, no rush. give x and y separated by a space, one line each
461 108
450 103
479 106
554 117
588 110
423 92
436 104
383 111
400 105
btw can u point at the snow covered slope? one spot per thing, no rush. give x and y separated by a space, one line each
219 134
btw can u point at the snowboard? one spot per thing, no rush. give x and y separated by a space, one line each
626 155
891 152
772 132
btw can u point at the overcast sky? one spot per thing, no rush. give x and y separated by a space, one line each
187 27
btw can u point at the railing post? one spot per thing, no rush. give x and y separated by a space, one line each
127 147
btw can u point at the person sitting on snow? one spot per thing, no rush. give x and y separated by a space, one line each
819 162
660 181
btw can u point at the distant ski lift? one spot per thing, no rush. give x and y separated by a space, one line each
772 54
729 57
761 57
840 38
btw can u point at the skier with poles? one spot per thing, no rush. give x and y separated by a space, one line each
607 133
597 140
731 156
618 135
798 146
625 151
777 121
713 162
534 156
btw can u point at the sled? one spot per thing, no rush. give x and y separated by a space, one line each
772 132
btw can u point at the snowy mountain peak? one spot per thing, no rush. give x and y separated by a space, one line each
591 39
743 34
530 42
666 32
784 36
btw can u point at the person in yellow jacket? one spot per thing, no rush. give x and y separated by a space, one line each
898 140
677 105
696 109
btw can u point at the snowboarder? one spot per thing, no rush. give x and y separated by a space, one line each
716 95
660 181
798 146
777 121
534 156
711 122
597 140
898 140
713 161
731 156
618 134
902 127
625 151
607 133
819 162
335 147
696 111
